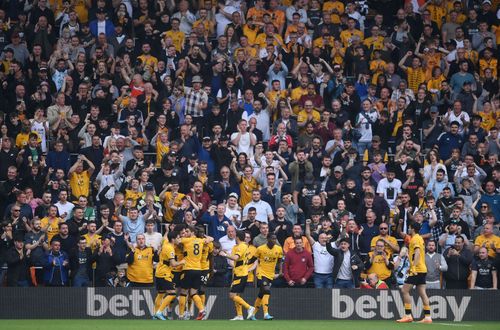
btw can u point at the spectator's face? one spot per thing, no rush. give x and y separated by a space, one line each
344 246
299 245
297 231
264 229
251 215
55 246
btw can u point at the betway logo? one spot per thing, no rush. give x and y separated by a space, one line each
139 302
387 303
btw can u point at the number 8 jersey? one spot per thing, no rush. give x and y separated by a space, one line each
193 248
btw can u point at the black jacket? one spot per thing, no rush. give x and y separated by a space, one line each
74 261
458 266
17 268
339 259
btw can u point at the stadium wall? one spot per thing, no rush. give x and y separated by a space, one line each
286 304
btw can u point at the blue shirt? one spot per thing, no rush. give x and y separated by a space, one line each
133 227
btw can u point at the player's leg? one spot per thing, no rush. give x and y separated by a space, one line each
258 300
237 307
405 290
158 300
169 298
422 292
185 285
240 288
203 287
265 299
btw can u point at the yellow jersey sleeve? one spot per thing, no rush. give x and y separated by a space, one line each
240 266
163 270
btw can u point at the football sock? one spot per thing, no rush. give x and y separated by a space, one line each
265 304
158 300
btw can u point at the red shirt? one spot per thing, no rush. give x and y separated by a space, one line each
203 199
298 265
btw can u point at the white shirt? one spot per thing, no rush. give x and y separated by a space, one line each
227 244
390 190
153 240
364 125
65 208
231 213
345 269
101 27
263 210
263 123
462 119
323 261
244 143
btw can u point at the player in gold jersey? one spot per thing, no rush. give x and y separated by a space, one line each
239 258
164 277
268 256
191 275
206 265
416 275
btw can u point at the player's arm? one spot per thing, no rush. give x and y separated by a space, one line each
416 258
253 265
234 257
174 263
208 239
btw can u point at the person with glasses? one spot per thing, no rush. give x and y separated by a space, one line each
20 225
390 243
380 262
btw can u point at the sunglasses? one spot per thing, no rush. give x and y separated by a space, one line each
383 228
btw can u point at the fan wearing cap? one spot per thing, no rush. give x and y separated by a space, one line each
101 24
196 100
432 128
205 153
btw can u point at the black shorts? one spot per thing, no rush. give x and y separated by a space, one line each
162 285
417 279
264 281
191 279
177 279
204 277
238 284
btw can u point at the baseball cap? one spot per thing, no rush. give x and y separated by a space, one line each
207 138
149 187
233 194
376 138
101 11
172 153
197 79
487 2
338 169
193 156
434 109
224 138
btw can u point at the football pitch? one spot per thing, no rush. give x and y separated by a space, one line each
239 325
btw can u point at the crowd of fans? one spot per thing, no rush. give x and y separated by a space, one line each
313 120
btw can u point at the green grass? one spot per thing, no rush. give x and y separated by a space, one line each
123 324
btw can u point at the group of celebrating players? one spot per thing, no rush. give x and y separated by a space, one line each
184 267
